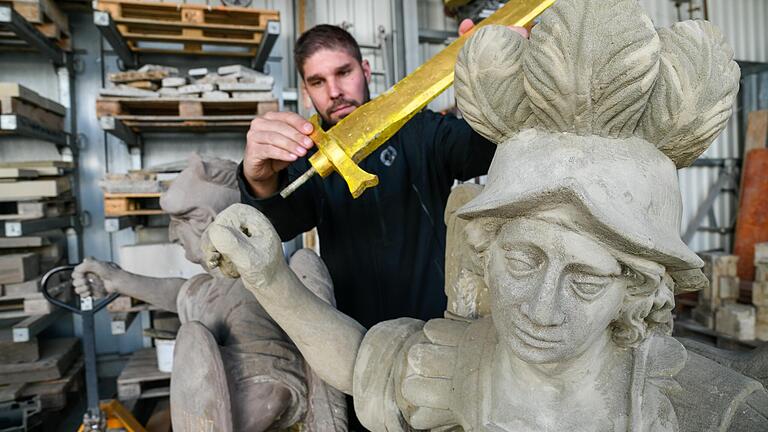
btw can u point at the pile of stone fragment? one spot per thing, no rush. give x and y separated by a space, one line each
721 306
156 81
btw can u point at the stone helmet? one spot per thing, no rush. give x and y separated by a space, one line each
596 112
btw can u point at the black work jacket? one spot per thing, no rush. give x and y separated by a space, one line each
385 250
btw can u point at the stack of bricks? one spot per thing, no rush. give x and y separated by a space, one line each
760 290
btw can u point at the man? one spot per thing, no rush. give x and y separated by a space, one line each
391 240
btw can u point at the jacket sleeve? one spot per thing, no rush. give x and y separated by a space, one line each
290 216
462 152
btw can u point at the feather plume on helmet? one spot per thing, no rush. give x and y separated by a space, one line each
597 111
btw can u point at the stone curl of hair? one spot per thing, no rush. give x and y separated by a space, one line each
602 71
647 304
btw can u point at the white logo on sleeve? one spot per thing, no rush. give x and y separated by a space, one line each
388 156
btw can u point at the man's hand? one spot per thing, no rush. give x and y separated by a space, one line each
241 242
274 140
468 25
95 278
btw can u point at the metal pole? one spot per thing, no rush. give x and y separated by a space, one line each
89 350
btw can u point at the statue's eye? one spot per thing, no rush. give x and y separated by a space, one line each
588 286
521 262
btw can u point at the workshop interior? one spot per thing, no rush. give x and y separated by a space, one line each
386 215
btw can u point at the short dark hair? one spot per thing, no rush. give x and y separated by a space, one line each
324 36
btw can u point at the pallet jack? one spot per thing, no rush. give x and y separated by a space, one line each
99 416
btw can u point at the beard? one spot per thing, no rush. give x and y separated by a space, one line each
338 103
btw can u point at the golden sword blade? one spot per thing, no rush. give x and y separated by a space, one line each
372 124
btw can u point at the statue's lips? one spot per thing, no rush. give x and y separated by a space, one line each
530 337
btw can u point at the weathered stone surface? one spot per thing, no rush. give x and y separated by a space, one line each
127 91
215 95
575 241
254 378
736 320
196 88
198 72
174 82
254 96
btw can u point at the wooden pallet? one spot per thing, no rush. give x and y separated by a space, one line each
33 303
53 393
46 16
132 204
189 28
10 91
26 210
191 115
56 357
140 379
25 108
165 108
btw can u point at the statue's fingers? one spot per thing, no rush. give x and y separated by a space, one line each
431 418
234 251
433 361
427 392
211 256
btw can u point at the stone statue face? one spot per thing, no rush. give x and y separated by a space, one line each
187 229
554 291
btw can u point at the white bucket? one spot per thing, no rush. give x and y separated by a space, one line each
164 350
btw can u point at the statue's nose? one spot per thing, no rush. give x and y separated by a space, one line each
543 308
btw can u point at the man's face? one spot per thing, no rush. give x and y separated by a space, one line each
554 291
336 83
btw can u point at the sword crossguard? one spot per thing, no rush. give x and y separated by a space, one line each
332 157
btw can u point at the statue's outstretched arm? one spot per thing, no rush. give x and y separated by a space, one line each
242 242
98 278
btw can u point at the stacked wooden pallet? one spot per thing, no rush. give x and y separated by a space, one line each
31 192
173 28
46 370
141 379
156 98
24 112
46 16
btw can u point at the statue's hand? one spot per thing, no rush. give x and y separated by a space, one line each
428 384
95 278
242 243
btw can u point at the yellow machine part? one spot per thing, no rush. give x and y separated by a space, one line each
369 126
118 417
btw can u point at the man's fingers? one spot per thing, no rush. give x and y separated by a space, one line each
275 153
465 26
293 119
522 31
267 139
285 129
